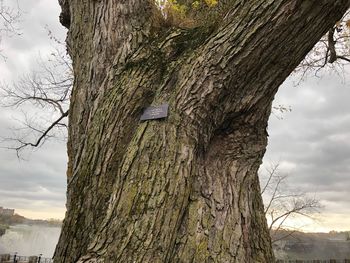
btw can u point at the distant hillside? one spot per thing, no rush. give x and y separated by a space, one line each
310 246
11 219
47 222
15 219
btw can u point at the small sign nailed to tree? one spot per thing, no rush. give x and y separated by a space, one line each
155 112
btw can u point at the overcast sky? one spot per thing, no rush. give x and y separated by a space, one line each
36 186
312 142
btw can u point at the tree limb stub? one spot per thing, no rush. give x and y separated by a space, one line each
65 13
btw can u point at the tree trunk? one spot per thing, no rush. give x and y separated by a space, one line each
183 188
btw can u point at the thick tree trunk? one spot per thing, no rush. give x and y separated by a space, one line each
184 188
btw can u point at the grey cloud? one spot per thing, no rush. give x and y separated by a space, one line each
40 180
314 139
23 50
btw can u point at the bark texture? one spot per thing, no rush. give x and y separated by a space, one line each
184 188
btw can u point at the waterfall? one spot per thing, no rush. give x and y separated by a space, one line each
29 240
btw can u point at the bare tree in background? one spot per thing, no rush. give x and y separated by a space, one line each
331 53
283 203
9 19
43 97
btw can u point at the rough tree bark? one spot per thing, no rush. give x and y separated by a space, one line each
184 188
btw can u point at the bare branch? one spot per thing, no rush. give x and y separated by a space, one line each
289 233
282 203
9 19
44 135
274 196
44 94
271 174
331 46
343 58
331 53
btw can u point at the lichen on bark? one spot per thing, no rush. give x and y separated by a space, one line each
184 188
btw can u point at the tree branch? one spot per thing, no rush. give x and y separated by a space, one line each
44 134
47 89
331 46
282 204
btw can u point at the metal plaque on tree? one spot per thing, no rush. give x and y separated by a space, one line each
155 112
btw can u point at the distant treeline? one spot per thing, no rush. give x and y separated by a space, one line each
11 219
6 220
48 222
307 247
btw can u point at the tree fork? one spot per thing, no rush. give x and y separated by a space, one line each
182 189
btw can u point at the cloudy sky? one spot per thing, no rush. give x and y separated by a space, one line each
35 186
311 143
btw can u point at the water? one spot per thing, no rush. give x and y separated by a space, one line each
30 240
